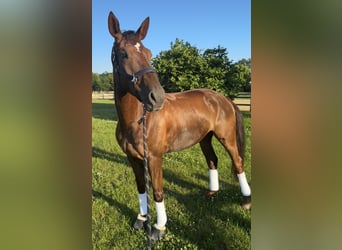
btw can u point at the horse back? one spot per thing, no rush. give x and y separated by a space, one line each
202 102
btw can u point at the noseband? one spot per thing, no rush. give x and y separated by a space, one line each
135 76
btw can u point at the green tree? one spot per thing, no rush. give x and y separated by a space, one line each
246 62
184 67
102 82
96 85
106 81
179 68
218 71
241 75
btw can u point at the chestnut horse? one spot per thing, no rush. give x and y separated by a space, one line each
174 121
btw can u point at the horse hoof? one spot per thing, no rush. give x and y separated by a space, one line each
210 194
140 223
158 233
246 202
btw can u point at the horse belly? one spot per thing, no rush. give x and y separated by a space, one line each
185 139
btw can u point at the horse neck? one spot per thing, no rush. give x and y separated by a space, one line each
128 107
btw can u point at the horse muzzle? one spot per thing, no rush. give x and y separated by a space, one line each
153 100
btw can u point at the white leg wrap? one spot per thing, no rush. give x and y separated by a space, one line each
245 189
161 215
142 203
213 180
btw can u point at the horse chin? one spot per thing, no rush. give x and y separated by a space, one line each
157 108
152 108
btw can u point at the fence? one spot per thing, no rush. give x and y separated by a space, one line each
102 95
243 100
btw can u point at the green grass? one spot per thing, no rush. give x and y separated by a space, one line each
193 221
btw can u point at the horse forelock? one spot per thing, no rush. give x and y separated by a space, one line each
130 36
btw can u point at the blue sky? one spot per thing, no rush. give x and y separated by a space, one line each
204 24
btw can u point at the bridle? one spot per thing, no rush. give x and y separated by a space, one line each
135 76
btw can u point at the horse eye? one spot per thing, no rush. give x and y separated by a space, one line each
123 54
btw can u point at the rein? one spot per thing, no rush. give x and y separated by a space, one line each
134 79
148 215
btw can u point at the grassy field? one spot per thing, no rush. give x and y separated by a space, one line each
193 221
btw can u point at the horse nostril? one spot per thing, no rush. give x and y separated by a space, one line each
152 98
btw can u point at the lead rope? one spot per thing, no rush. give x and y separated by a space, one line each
148 216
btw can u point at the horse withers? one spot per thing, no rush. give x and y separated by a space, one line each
174 121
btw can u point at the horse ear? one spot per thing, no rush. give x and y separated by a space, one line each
114 26
142 31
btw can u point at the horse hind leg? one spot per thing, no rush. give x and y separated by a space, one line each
231 145
211 159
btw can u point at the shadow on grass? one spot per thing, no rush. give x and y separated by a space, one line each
205 213
121 207
105 111
105 155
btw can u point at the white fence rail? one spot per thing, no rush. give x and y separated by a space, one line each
102 95
243 100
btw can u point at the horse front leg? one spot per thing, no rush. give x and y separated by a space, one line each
138 169
156 173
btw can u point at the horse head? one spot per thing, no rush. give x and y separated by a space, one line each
131 65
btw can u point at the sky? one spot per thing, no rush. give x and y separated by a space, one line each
204 24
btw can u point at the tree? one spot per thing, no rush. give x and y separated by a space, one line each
246 62
96 82
179 68
102 82
184 67
241 74
106 81
219 70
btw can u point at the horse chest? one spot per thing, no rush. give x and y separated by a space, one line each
130 142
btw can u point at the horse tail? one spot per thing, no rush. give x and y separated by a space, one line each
240 136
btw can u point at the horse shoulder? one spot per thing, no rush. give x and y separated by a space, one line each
130 140
157 129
